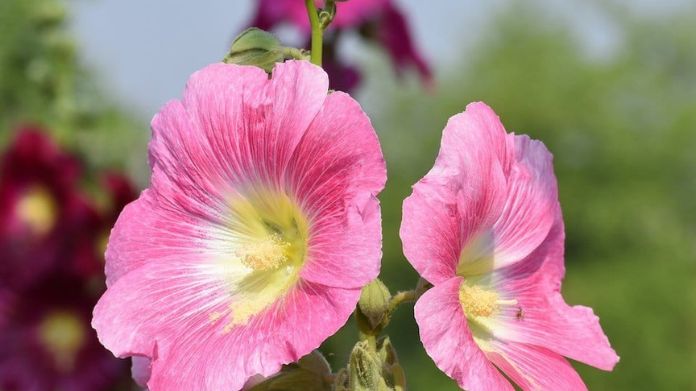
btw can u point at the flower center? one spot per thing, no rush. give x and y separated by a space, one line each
478 302
62 334
37 210
268 235
267 254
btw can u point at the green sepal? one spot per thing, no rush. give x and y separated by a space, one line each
256 47
365 369
373 307
311 373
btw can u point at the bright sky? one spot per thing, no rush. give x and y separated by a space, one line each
145 50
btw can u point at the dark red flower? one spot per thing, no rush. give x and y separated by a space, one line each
47 343
40 208
378 21
89 243
390 29
52 240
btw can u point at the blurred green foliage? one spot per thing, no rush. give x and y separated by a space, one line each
43 82
622 128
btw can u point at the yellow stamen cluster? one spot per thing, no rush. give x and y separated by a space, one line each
477 301
271 233
266 254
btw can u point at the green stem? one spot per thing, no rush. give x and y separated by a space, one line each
317 32
408 296
401 297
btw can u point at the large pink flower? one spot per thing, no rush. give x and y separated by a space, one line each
485 228
256 235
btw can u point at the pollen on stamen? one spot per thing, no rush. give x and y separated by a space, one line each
266 254
478 302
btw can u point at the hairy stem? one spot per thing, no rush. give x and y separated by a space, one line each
400 298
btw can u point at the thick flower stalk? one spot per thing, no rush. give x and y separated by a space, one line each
484 226
259 229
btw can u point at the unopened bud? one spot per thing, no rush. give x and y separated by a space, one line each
374 303
393 372
255 47
365 369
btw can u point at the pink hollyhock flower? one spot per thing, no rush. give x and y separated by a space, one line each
484 226
257 233
377 20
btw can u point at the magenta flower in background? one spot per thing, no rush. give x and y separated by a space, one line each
40 208
114 192
377 21
484 226
46 342
50 268
256 236
270 13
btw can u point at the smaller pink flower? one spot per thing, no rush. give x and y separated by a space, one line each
259 229
484 226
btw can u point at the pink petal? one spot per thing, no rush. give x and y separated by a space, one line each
449 342
489 194
534 368
141 369
546 320
234 127
531 203
337 182
163 311
146 231
430 231
463 194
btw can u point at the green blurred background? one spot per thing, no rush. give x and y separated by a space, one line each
621 125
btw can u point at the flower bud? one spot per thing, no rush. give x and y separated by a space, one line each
365 369
374 303
392 370
255 47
